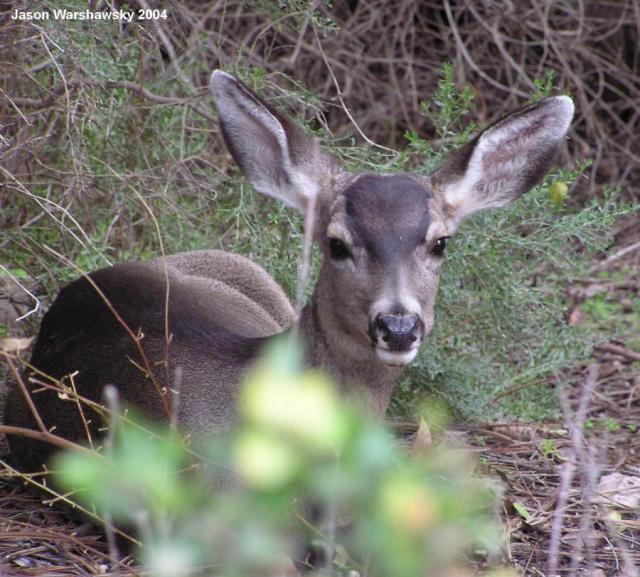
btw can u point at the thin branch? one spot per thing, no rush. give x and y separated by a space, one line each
25 392
47 437
614 257
36 308
344 107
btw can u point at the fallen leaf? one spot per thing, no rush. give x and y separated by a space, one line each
590 536
15 344
341 557
618 489
575 318
422 439
521 510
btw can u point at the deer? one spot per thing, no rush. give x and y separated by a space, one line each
207 314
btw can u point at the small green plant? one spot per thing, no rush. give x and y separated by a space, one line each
296 445
447 108
611 424
543 86
601 309
480 440
549 448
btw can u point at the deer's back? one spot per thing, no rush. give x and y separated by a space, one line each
248 301
220 309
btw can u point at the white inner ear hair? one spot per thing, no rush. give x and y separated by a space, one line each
501 154
299 188
302 186
485 183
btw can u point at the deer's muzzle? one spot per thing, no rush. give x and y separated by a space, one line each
397 337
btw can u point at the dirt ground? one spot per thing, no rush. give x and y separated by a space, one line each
571 488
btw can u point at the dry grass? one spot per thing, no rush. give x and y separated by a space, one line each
381 59
386 59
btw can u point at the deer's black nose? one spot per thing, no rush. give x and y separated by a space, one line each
399 331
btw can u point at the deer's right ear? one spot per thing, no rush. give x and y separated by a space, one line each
274 154
504 161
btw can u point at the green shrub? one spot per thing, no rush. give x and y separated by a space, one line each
500 329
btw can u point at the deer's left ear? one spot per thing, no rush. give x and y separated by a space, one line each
504 161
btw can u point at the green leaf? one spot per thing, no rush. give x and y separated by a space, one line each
521 510
144 472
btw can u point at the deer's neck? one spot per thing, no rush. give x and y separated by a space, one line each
351 361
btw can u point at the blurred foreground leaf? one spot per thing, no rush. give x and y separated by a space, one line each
307 467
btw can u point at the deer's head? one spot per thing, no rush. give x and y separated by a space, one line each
384 236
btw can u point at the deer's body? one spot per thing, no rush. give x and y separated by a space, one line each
209 312
209 292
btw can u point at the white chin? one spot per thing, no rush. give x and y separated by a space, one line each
396 358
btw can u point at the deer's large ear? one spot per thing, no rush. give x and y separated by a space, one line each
274 154
504 161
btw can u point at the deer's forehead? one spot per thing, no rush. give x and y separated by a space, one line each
388 215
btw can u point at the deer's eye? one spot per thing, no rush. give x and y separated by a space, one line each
439 246
338 249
